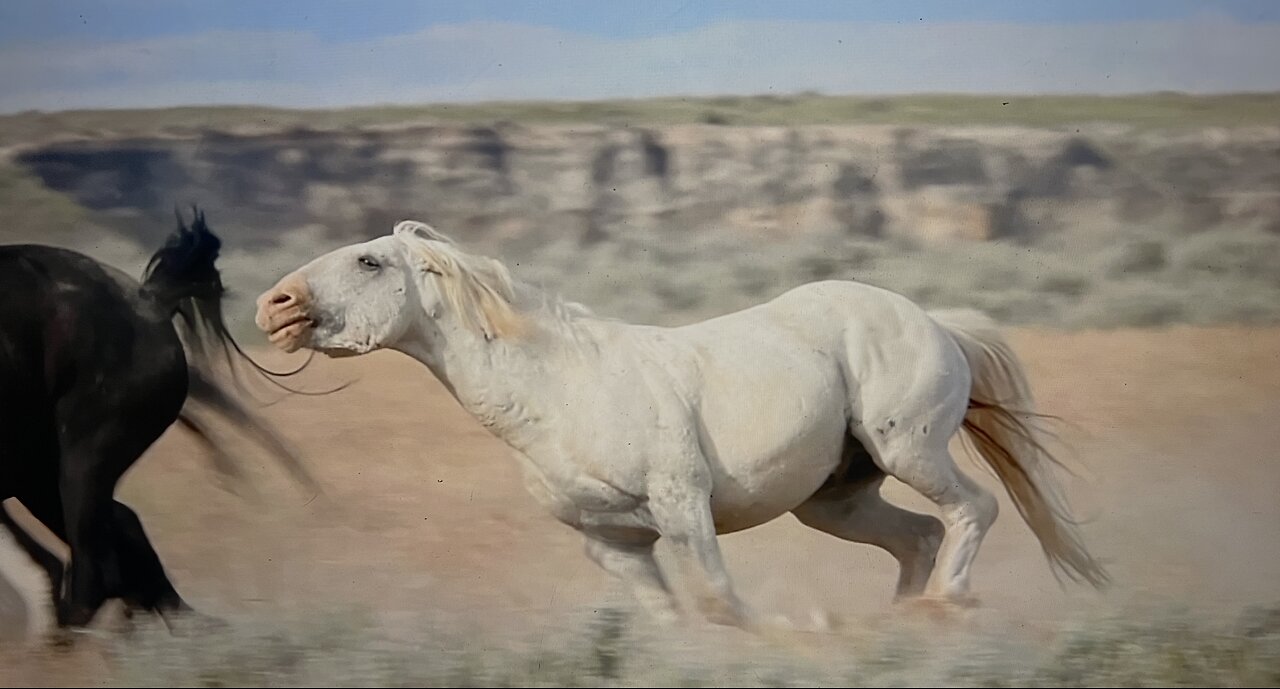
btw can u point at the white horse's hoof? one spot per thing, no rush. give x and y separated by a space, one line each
822 621
819 621
724 613
665 618
940 608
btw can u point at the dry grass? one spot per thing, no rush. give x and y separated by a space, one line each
1149 648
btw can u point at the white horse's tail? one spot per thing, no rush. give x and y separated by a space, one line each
1000 423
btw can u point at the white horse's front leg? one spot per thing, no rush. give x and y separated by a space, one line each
684 517
635 565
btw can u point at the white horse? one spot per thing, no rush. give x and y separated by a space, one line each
629 433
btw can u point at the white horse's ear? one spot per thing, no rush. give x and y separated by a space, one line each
407 228
417 229
421 254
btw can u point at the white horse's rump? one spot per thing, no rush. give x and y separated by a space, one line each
629 433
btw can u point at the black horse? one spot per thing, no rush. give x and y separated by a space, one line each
94 367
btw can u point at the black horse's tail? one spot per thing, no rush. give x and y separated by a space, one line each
182 280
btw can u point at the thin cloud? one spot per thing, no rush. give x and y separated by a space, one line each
497 61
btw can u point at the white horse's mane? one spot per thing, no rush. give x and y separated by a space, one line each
481 290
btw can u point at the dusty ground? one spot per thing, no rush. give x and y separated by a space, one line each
1177 431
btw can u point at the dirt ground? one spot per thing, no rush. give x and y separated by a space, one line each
1176 431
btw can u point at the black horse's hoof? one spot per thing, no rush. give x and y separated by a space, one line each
76 622
63 639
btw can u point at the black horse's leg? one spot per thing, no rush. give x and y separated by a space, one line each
110 553
93 572
48 561
146 585
44 503
94 457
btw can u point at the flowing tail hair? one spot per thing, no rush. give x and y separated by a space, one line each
1000 426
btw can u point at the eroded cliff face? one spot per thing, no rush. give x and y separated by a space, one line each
520 186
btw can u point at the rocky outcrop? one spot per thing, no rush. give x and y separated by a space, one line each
519 185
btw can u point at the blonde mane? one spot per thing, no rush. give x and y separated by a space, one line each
478 289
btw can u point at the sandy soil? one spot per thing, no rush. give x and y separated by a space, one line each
425 514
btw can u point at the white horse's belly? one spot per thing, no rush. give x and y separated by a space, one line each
770 452
764 488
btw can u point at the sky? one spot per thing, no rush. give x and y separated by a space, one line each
63 54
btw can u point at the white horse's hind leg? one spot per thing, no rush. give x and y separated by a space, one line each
635 565
968 510
860 514
911 403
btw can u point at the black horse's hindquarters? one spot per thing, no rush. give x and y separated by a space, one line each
90 377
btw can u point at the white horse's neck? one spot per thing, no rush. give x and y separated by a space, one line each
501 382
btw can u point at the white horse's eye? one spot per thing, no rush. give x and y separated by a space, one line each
370 262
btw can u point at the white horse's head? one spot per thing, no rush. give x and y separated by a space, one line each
368 296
